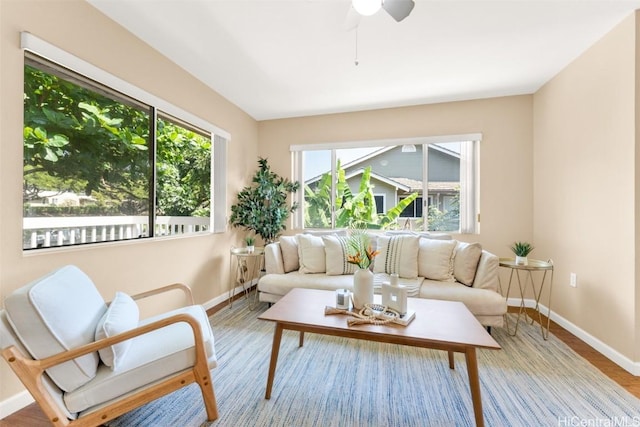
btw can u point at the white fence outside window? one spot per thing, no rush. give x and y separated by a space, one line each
46 232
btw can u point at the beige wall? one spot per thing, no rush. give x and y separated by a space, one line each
585 167
636 355
75 26
505 152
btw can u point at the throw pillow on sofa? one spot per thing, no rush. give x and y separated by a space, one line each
465 262
311 254
289 250
336 250
398 254
435 259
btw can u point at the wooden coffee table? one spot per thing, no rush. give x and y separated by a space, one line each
441 325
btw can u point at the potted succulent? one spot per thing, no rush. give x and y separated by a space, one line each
521 251
250 241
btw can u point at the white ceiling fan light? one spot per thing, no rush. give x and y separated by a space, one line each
367 7
398 9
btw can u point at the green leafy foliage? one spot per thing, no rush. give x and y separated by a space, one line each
522 248
262 207
82 141
352 210
359 247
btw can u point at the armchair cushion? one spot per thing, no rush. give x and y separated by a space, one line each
151 357
55 313
122 315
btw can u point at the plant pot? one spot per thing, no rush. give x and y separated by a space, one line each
362 288
522 260
250 249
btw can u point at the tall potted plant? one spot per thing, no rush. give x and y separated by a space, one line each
262 207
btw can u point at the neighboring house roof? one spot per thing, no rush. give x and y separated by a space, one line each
371 155
403 184
389 181
415 185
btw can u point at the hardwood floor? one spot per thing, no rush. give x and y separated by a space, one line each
32 416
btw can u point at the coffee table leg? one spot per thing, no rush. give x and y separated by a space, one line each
301 343
275 348
474 385
452 364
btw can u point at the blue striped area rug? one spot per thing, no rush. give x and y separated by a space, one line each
341 382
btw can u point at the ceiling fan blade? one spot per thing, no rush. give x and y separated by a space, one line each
398 9
352 19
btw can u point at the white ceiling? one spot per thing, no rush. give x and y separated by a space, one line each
289 58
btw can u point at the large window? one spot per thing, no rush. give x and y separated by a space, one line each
101 165
419 184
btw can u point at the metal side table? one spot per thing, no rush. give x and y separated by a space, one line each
545 270
244 269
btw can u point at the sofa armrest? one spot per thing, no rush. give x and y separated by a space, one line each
273 262
487 272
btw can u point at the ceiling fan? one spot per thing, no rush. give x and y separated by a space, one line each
398 9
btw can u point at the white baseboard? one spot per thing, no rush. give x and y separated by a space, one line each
15 403
225 297
619 359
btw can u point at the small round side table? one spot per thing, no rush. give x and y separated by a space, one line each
247 270
532 266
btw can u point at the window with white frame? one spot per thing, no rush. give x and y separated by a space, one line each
105 161
344 184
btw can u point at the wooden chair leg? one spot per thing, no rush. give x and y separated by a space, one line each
204 380
209 399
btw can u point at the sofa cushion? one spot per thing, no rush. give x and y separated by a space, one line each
58 312
481 302
311 253
398 254
435 259
289 249
336 250
487 275
152 356
281 284
121 316
465 262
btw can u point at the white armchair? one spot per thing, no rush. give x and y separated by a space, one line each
86 362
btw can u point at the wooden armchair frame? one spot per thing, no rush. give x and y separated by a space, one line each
31 371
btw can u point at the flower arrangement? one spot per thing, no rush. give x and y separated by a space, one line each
361 252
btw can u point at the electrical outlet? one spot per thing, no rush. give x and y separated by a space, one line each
573 280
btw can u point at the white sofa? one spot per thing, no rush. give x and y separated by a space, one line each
429 268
